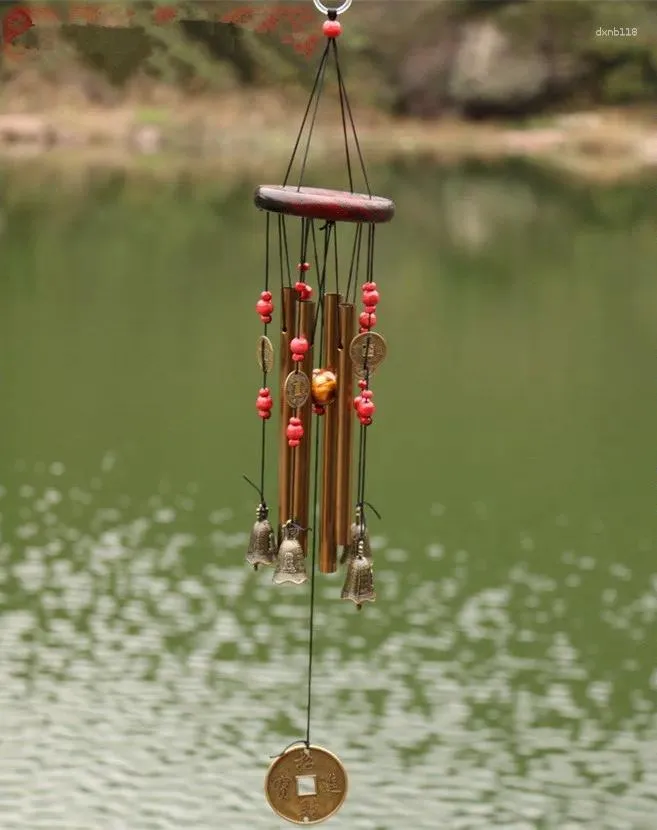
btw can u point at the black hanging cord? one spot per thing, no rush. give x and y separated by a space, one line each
345 112
315 93
283 266
317 266
362 450
336 259
343 116
305 235
328 229
263 433
256 488
314 118
354 266
344 97
311 620
263 444
287 253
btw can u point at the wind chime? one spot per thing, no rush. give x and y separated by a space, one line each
328 353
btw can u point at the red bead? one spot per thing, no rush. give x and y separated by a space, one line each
318 410
264 307
365 421
264 404
332 28
294 431
366 409
369 286
371 297
266 318
264 414
303 290
265 393
369 309
362 383
298 346
266 295
303 266
367 394
367 321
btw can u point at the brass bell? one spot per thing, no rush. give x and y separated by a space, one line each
262 544
359 583
290 561
358 532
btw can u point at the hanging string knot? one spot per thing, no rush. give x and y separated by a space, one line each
256 488
362 504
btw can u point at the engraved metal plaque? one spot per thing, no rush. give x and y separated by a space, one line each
296 389
367 351
265 353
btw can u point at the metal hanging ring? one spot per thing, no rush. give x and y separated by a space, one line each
322 8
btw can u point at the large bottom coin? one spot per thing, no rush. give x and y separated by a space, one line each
306 785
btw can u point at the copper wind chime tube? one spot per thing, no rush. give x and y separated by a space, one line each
288 316
344 404
301 464
328 551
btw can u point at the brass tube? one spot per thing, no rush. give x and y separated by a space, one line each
288 312
301 464
328 551
344 403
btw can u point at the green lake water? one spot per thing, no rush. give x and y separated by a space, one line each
506 676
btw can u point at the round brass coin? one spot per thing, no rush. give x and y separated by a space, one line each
297 389
367 351
265 354
306 785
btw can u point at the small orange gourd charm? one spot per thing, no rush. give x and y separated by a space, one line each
324 387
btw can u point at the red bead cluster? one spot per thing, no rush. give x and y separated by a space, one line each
332 28
367 318
318 409
294 432
364 405
304 291
265 307
264 404
298 347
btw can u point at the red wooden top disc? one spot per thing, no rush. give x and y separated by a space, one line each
329 205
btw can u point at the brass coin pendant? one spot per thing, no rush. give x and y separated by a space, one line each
367 351
265 354
296 389
306 785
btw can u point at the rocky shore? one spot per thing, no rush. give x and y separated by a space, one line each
248 131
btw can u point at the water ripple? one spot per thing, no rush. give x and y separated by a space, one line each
146 677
